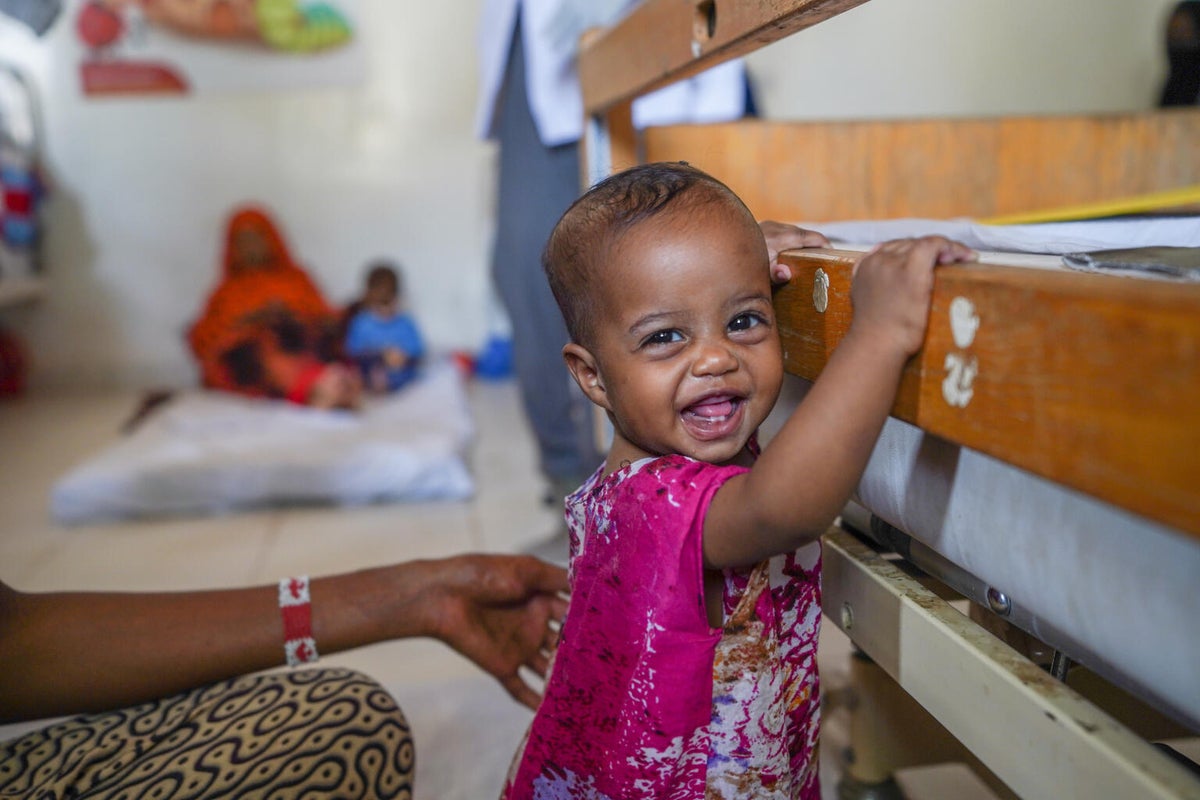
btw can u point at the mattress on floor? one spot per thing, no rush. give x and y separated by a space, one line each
209 452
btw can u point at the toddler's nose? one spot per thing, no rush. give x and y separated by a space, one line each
714 358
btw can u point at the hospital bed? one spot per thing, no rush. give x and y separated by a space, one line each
1041 463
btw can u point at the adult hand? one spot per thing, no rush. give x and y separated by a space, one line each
497 611
781 236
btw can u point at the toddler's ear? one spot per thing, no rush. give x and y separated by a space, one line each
585 371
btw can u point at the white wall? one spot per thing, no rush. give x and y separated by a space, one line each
917 58
141 187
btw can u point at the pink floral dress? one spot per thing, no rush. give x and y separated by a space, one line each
645 699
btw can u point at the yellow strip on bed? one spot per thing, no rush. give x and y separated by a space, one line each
1137 204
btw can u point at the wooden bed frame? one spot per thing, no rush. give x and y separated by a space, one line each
1115 416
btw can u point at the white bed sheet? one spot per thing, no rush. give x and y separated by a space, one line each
1056 238
212 452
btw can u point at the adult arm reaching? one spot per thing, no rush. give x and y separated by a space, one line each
74 652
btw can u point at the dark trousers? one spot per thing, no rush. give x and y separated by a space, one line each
537 183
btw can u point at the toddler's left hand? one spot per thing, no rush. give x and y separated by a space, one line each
395 358
892 286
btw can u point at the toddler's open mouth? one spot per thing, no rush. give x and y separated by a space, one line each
714 417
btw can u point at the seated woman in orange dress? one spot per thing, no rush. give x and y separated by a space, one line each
265 330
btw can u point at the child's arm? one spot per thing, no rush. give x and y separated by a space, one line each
356 344
405 345
411 341
804 478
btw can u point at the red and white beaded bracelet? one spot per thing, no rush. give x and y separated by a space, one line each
295 606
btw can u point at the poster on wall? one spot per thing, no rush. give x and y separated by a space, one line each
132 47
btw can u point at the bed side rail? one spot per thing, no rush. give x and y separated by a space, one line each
1090 381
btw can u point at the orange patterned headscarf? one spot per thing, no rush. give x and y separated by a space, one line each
260 284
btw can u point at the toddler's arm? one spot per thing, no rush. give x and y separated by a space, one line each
804 478
356 342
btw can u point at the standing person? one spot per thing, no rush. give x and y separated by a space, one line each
686 666
169 707
1182 86
531 104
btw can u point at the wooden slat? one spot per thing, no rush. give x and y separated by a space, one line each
1036 734
662 41
1090 381
939 168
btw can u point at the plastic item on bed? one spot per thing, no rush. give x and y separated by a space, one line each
494 361
1173 262
210 452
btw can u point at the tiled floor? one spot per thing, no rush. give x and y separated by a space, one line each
466 727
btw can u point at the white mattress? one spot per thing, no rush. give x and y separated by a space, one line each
1114 591
210 452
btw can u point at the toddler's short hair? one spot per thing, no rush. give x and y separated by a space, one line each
385 275
580 242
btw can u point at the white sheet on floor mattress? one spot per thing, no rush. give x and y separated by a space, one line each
208 452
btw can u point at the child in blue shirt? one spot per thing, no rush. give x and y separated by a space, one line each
382 337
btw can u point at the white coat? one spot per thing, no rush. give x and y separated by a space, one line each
552 84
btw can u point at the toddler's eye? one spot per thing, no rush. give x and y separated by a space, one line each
663 337
744 322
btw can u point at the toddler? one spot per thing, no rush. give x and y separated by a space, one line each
381 337
686 666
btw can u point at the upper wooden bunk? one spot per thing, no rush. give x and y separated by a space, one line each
1090 381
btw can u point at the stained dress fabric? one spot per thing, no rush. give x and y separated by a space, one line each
646 700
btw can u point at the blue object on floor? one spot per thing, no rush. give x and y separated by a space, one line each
495 360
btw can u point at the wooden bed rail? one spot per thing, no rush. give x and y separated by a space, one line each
1090 381
662 41
939 168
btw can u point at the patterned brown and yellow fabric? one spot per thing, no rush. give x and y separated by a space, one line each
322 733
